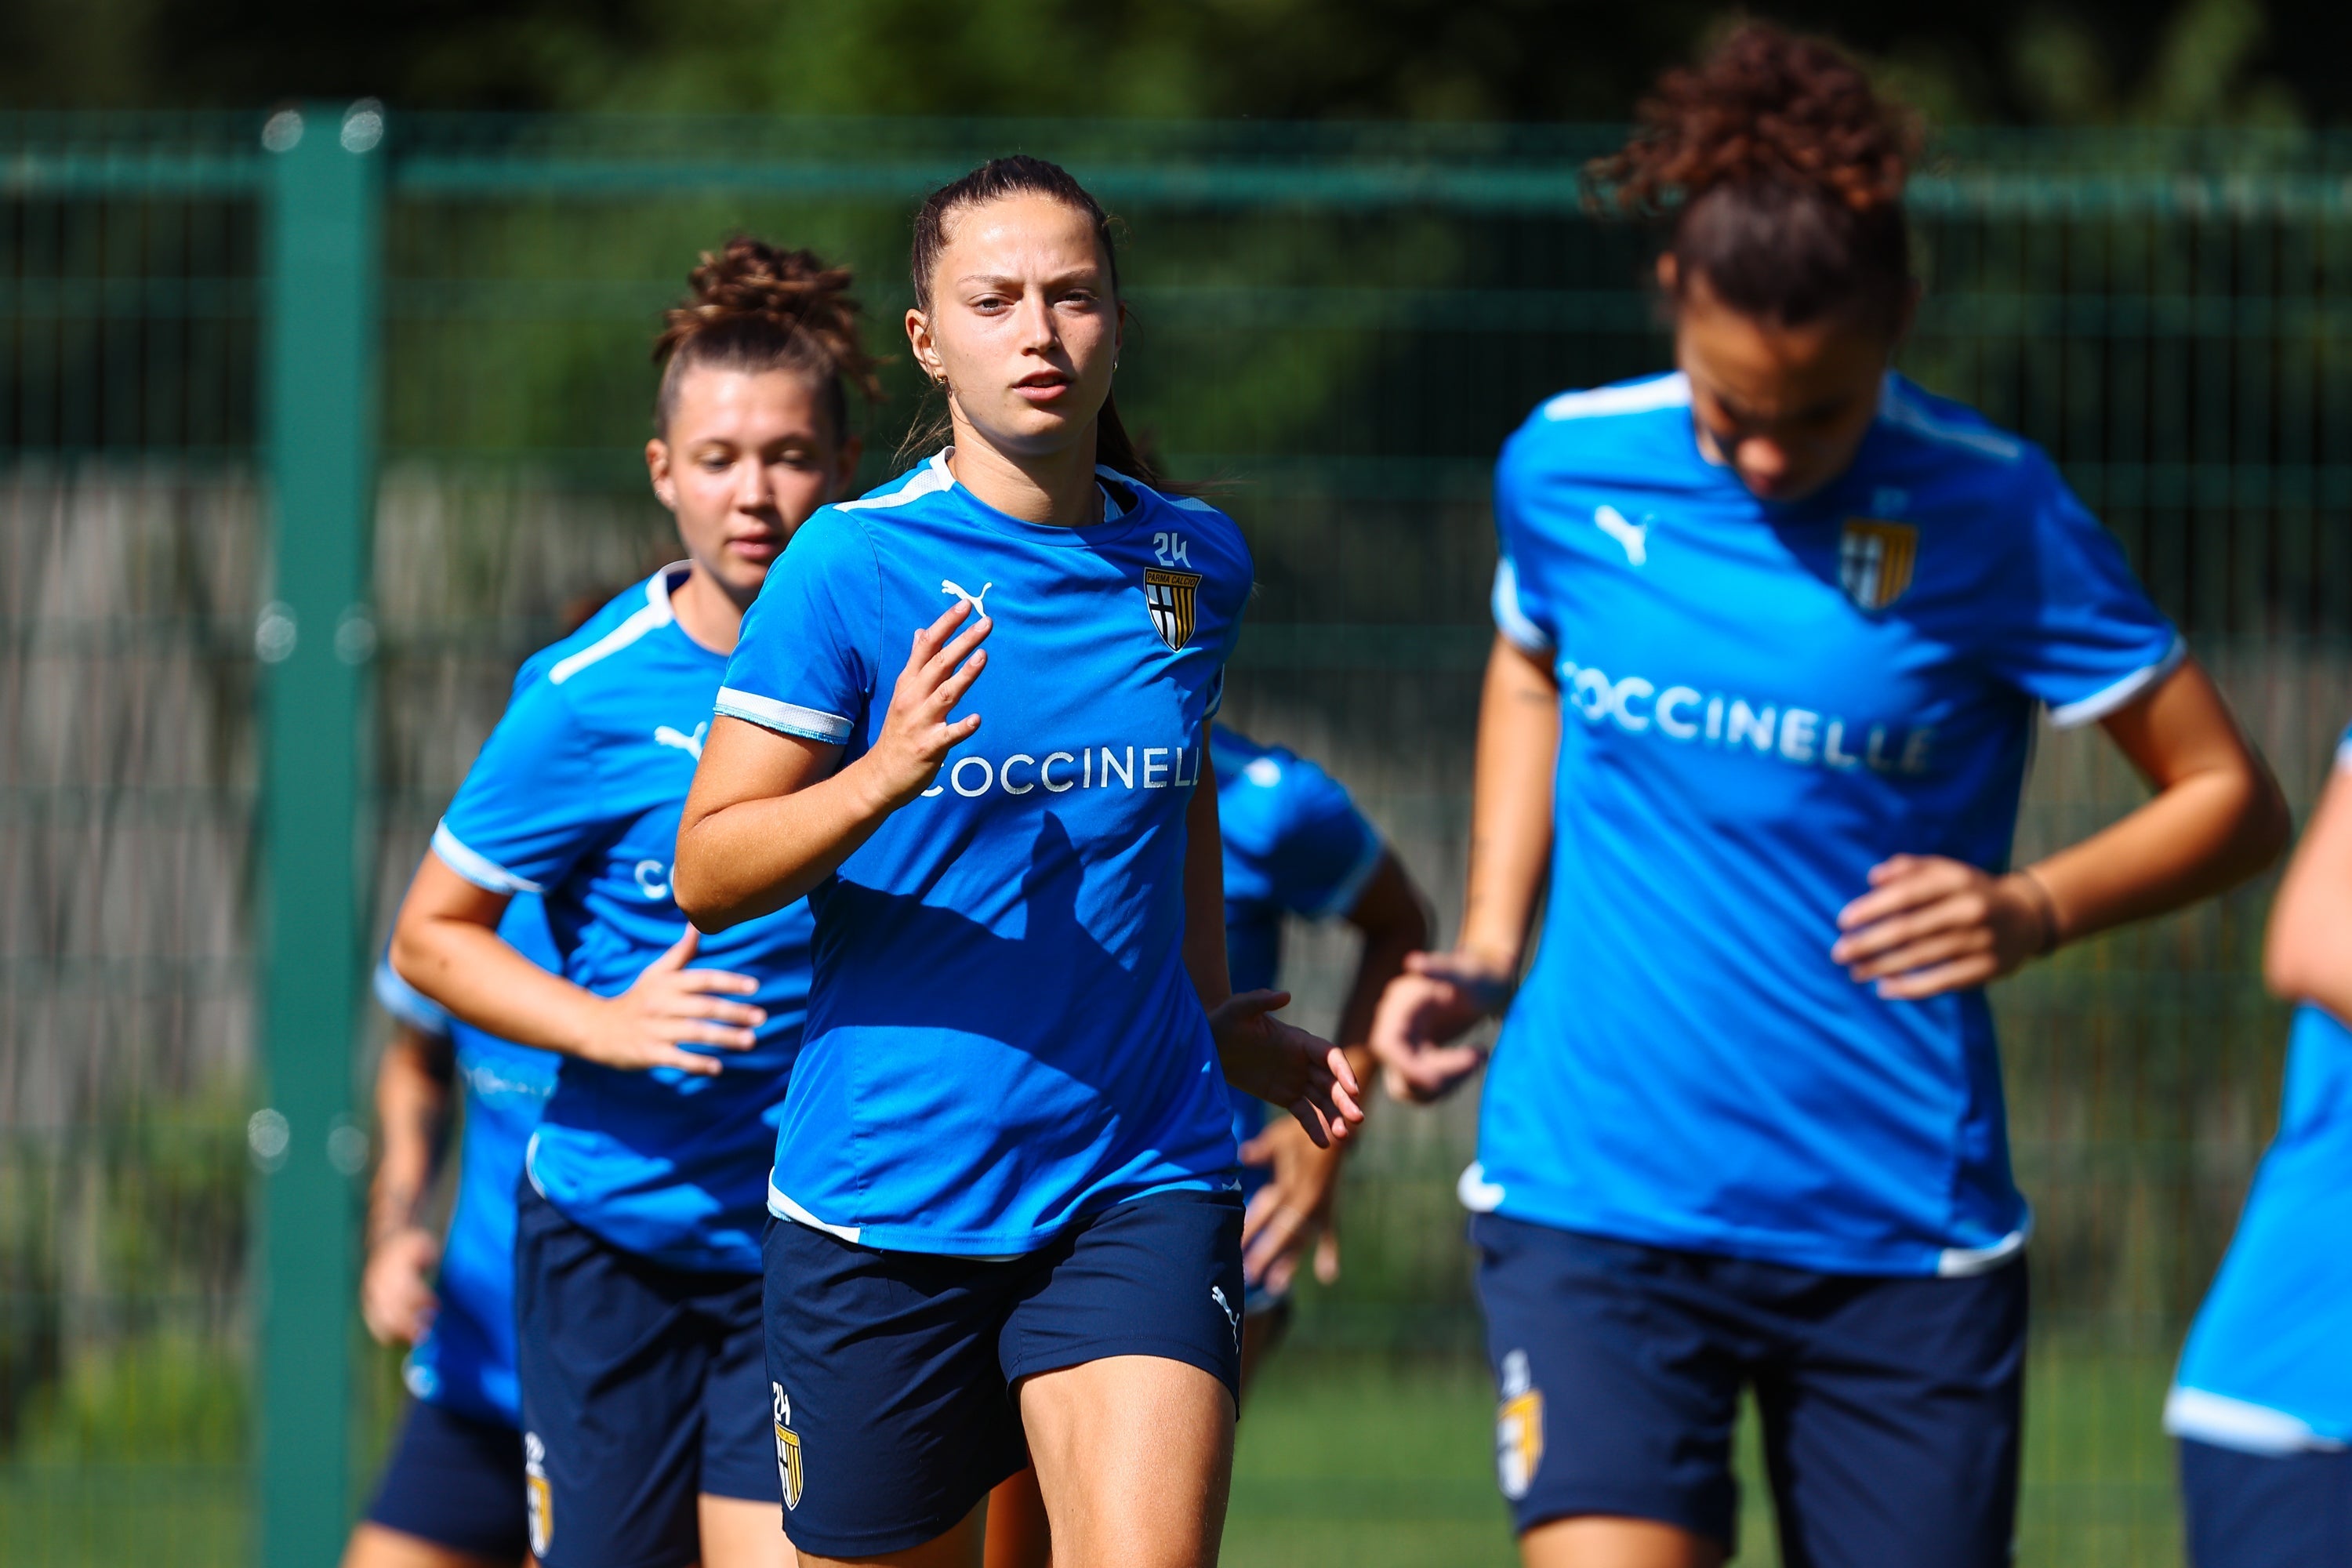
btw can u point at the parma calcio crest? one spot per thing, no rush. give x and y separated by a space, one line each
1874 561
539 1498
788 1448
1171 597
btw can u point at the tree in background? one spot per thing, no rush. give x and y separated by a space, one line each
2083 62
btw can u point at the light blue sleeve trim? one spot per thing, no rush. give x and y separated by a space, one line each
1475 1191
2344 755
479 870
1350 888
790 718
2122 694
1964 1262
1509 618
2248 1428
782 1207
406 1004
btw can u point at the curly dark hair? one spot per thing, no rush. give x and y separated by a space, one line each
754 307
1779 172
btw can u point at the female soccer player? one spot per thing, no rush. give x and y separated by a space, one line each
1295 844
2263 1405
645 1407
1006 1165
1774 631
453 1492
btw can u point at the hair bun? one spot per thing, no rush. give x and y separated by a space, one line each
754 305
1765 107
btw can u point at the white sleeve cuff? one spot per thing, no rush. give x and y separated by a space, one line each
479 870
2123 693
1509 618
787 718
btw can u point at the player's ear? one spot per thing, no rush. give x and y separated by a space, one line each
926 352
657 470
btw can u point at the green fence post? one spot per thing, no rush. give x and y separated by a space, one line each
315 639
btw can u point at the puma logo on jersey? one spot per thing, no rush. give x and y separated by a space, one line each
977 601
678 740
1633 536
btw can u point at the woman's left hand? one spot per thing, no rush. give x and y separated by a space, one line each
1293 1210
1930 925
1304 1075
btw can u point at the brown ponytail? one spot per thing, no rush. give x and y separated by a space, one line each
1781 173
1022 175
754 308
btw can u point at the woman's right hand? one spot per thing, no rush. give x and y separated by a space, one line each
1438 996
396 1299
917 735
670 1005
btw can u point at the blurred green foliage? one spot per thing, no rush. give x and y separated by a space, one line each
2075 61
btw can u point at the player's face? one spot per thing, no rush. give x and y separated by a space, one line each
745 458
1022 324
1785 407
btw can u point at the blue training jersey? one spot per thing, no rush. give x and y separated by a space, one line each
466 1362
1294 845
2268 1366
1003 1038
1761 701
577 795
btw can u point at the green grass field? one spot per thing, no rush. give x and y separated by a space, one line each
1349 1461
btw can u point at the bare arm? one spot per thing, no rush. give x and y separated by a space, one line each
1262 1054
412 1105
1300 1201
771 815
1510 812
2309 955
1440 994
1392 915
446 944
1930 925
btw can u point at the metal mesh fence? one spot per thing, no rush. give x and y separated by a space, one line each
1335 327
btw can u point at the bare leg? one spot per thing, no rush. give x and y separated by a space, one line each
1135 1458
737 1532
958 1548
1017 1533
1595 1541
373 1546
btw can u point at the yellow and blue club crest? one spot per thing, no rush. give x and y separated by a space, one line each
788 1448
1171 596
1519 1428
539 1498
1874 561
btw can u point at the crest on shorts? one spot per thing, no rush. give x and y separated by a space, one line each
1519 1428
788 1448
539 1498
1874 561
1171 596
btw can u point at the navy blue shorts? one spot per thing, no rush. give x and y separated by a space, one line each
893 1373
2266 1511
1891 1407
455 1482
642 1386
